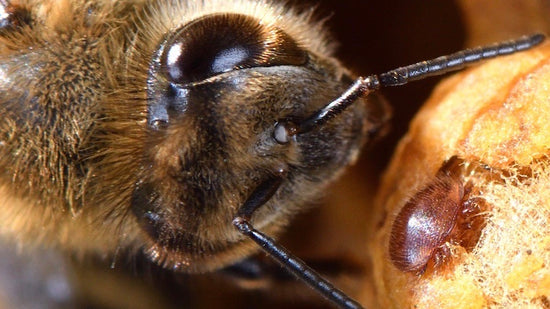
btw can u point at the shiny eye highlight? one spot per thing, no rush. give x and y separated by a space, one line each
12 16
221 43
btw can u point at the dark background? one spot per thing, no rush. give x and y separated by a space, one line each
377 36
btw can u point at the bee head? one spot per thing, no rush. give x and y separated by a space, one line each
216 89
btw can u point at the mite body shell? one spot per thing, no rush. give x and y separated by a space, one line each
440 212
425 222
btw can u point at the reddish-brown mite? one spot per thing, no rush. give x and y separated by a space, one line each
424 224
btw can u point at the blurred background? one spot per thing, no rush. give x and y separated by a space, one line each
374 36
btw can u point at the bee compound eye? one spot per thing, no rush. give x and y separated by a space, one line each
220 43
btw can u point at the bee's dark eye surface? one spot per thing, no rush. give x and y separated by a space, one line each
223 42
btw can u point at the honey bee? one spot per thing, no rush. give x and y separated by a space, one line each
161 126
147 124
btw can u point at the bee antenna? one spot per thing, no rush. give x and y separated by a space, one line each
261 195
400 76
456 61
